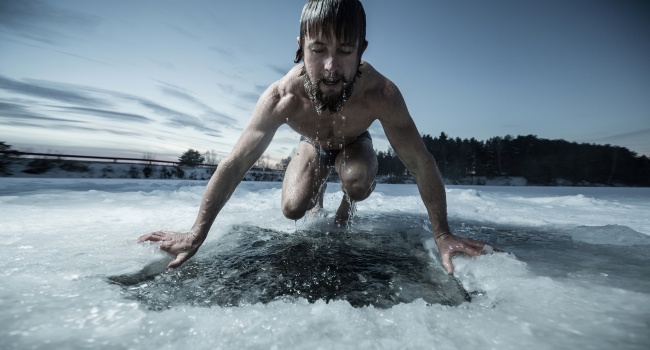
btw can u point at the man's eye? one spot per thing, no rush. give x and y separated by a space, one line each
317 50
344 52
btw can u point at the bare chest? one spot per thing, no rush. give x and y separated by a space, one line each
330 131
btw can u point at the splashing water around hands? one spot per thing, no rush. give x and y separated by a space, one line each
449 245
182 245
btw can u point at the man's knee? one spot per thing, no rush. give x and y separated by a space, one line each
293 212
358 190
358 180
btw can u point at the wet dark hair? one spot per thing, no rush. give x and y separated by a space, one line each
346 17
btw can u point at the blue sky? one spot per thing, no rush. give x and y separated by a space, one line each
134 78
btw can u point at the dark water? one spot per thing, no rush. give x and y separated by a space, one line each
255 265
382 262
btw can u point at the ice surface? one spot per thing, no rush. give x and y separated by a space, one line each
578 275
609 234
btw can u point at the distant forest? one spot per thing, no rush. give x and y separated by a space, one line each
540 161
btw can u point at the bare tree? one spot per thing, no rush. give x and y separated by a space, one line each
263 161
211 157
149 158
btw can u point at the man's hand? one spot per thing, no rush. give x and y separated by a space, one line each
449 245
180 244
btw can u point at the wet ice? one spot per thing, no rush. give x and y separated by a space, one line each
577 276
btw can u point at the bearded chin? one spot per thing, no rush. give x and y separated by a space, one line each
332 102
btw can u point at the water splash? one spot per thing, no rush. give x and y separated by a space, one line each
379 268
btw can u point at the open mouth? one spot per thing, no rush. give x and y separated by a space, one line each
331 81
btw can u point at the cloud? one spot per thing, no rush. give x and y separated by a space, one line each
12 114
249 97
167 89
14 111
184 32
625 135
176 118
163 64
22 42
229 55
87 99
168 113
108 114
39 21
60 93
102 129
260 88
208 112
280 70
377 131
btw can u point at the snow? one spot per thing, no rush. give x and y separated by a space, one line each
577 274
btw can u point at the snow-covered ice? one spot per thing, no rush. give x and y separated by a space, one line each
577 276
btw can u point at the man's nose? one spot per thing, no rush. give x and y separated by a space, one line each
332 63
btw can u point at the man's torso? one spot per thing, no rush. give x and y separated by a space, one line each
332 130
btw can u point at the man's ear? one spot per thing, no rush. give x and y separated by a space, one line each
298 40
363 47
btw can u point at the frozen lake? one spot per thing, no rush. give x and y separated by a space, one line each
73 277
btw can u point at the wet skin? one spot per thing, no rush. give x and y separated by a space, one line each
330 64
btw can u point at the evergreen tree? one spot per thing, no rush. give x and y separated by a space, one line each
7 155
191 158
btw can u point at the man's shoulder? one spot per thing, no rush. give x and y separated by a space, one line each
376 84
374 79
285 92
290 84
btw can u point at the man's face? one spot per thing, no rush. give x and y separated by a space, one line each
330 71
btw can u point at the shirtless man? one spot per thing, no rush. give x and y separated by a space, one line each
331 99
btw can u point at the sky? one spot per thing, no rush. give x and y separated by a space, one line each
155 78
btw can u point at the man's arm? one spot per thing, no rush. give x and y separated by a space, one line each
251 145
409 147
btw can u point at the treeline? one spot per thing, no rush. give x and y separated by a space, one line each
540 161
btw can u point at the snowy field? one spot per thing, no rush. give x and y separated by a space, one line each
73 277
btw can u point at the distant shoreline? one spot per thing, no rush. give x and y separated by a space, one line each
65 168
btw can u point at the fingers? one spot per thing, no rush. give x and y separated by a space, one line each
153 237
176 262
472 251
173 243
180 259
446 263
446 258
480 246
144 238
159 236
452 245
474 243
166 245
